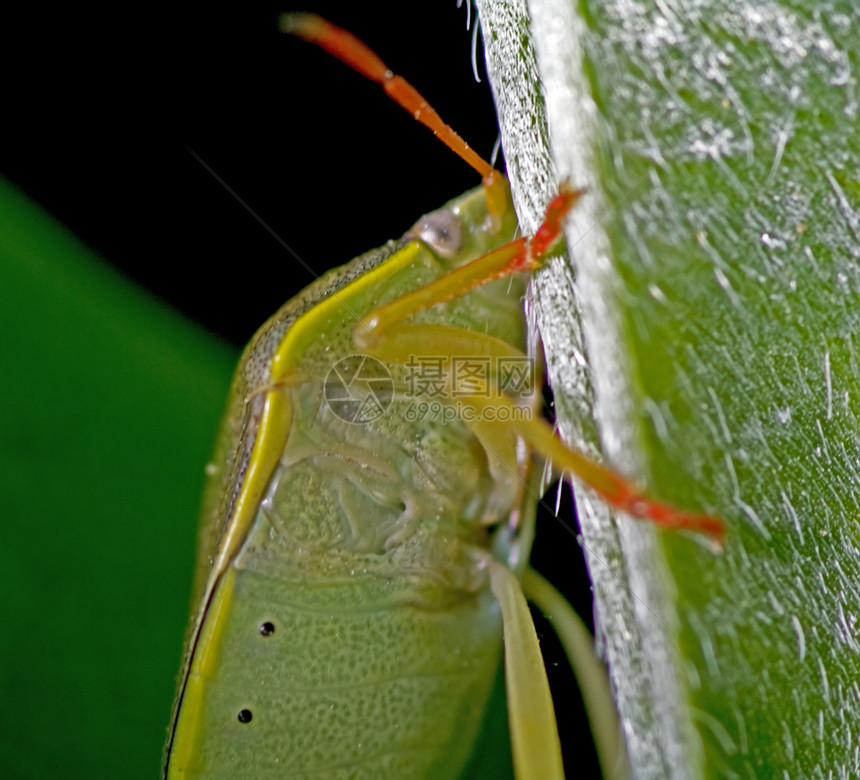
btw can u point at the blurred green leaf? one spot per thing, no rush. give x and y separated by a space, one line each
109 406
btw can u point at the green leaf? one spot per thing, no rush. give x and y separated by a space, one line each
109 406
715 271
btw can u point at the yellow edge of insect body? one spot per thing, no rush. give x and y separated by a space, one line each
285 359
271 438
205 666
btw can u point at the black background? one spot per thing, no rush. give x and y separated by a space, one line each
103 108
113 103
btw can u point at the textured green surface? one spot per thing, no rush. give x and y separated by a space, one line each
716 269
737 251
109 404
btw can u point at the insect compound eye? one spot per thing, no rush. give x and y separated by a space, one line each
245 716
441 231
267 628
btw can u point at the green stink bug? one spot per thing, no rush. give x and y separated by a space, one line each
340 517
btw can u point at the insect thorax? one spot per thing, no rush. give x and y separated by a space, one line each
378 477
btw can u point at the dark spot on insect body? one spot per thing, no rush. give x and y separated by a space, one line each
267 628
245 716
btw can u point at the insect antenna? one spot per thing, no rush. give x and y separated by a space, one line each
361 58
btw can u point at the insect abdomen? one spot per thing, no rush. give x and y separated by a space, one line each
368 688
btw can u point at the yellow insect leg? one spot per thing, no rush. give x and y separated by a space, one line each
534 734
589 671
